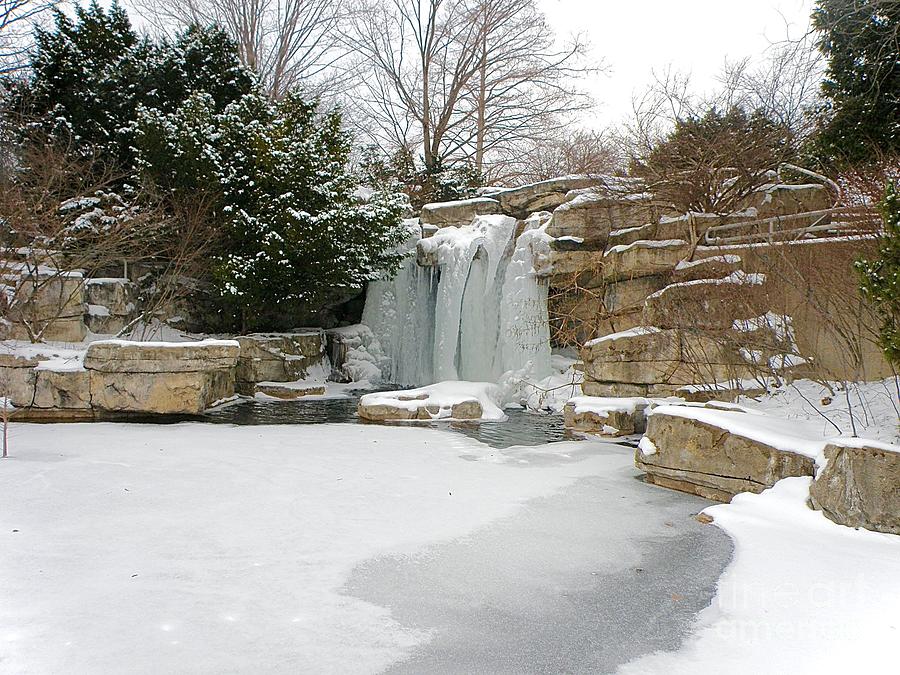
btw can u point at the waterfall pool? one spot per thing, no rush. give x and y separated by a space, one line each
522 428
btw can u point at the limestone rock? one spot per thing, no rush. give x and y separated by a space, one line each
542 196
714 267
49 295
289 391
279 357
468 409
644 259
592 216
182 392
123 356
62 389
629 295
458 213
783 199
116 295
604 422
17 379
629 235
613 389
652 356
707 304
859 487
712 462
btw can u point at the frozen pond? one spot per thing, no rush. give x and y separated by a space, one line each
522 428
344 548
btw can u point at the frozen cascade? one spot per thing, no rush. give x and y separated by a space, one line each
474 310
523 344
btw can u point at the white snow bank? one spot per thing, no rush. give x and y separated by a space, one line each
444 395
802 595
874 406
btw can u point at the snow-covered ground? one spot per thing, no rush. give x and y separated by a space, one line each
212 548
802 595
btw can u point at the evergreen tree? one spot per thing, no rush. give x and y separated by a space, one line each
292 229
881 277
93 74
861 117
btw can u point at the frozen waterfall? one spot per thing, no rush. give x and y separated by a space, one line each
465 305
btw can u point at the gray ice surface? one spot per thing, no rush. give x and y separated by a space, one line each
579 582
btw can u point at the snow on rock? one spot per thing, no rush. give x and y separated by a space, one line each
453 400
802 595
631 332
793 436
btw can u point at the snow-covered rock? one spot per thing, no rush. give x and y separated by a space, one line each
860 485
442 401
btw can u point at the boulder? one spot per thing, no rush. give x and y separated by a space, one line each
116 295
469 409
278 357
289 391
649 355
160 377
124 356
62 389
168 393
860 486
708 460
644 258
49 296
458 213
17 379
605 416
546 195
613 389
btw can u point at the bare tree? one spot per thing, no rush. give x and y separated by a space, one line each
582 152
290 44
471 79
17 18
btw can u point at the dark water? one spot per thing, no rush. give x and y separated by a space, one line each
522 428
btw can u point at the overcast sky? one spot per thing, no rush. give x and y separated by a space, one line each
636 36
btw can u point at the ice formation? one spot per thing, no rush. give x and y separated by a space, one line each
466 305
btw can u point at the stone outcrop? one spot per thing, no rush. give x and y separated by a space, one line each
110 304
160 378
278 357
591 217
17 378
860 487
421 409
652 356
644 259
289 391
707 304
707 460
458 213
51 304
546 195
609 417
